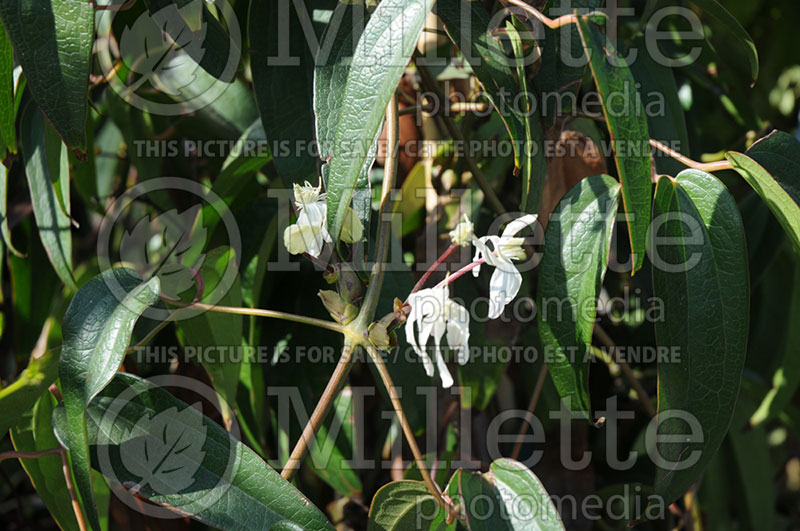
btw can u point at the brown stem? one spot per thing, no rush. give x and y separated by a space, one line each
549 22
73 496
320 412
407 431
28 455
627 372
452 128
537 392
686 161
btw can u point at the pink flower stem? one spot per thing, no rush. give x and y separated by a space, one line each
464 270
439 261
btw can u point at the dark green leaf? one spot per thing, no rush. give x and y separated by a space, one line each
571 273
379 59
96 332
282 79
4 211
402 505
627 124
53 41
772 167
527 503
230 486
48 179
34 432
738 38
701 277
8 133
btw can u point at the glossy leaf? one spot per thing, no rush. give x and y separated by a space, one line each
379 59
738 39
96 331
331 69
627 124
34 432
701 276
571 273
229 487
772 167
401 505
53 41
8 133
47 171
527 503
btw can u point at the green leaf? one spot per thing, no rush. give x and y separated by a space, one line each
332 66
230 487
379 59
282 68
468 26
402 505
772 167
8 133
239 164
96 331
4 211
627 124
53 41
701 276
34 432
48 179
524 496
738 38
214 329
571 273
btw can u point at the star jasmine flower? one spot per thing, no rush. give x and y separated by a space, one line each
505 249
434 314
463 233
310 232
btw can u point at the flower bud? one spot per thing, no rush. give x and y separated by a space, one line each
463 233
352 230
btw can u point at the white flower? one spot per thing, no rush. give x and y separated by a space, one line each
433 314
506 280
463 233
311 231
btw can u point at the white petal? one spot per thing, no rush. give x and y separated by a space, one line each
458 332
299 239
520 223
503 287
426 360
444 374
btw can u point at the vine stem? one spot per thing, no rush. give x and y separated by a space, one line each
383 371
76 506
439 261
320 412
461 272
686 161
627 371
367 312
537 392
258 312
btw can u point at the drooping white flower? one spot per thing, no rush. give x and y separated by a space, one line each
506 248
310 231
434 314
463 233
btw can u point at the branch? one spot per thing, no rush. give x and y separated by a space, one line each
320 412
407 431
537 392
686 161
549 22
